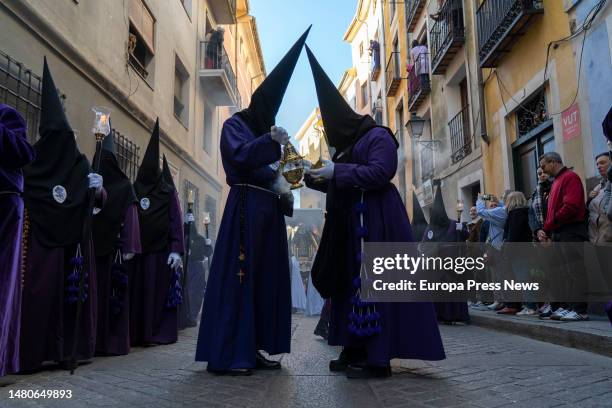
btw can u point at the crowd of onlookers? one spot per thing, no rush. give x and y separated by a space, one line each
557 211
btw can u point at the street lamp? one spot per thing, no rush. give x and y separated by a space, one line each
415 126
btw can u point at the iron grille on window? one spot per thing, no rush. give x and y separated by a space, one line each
188 185
532 113
20 89
128 155
210 206
461 139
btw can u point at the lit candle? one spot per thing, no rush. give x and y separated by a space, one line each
101 124
190 196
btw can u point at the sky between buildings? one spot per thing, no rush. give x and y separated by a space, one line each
280 23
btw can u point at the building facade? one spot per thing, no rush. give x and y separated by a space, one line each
144 59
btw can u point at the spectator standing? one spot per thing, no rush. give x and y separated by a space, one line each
565 223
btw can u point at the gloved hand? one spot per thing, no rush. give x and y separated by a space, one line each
174 260
326 172
208 241
307 165
128 256
278 134
95 181
459 226
189 217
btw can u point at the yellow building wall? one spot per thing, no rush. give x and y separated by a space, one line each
527 59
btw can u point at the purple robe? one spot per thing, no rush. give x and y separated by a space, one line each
15 152
47 320
151 321
113 336
409 330
239 318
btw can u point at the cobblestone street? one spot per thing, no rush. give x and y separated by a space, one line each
483 369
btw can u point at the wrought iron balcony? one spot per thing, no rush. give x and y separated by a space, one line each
413 9
418 81
223 10
447 35
461 139
500 24
393 75
217 75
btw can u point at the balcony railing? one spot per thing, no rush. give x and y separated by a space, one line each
215 65
375 63
447 35
393 75
461 139
500 24
413 9
418 81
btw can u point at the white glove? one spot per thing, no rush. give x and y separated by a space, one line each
278 134
189 217
459 226
326 172
208 241
174 260
307 165
95 181
128 256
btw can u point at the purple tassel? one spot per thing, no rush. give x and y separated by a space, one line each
361 207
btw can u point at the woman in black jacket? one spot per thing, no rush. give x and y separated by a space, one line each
517 230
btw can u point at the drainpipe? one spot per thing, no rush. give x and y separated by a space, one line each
483 118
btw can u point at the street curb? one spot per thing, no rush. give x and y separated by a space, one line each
562 334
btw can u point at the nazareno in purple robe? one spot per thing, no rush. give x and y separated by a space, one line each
239 318
47 323
113 336
409 330
15 152
151 321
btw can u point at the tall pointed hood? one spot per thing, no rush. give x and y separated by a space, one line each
108 143
52 115
343 126
419 223
438 216
154 195
267 98
149 171
120 194
607 126
167 174
55 183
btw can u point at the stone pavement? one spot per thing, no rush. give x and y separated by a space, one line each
483 369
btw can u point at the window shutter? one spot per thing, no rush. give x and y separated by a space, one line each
143 22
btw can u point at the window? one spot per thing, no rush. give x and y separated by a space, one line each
532 113
361 49
20 89
181 92
141 41
210 206
128 155
208 127
188 185
364 94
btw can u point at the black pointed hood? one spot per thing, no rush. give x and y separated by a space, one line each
149 171
108 143
55 183
438 216
52 115
343 126
419 223
267 98
154 195
167 174
119 195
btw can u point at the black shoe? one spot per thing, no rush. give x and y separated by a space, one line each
364 371
345 359
231 372
262 363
